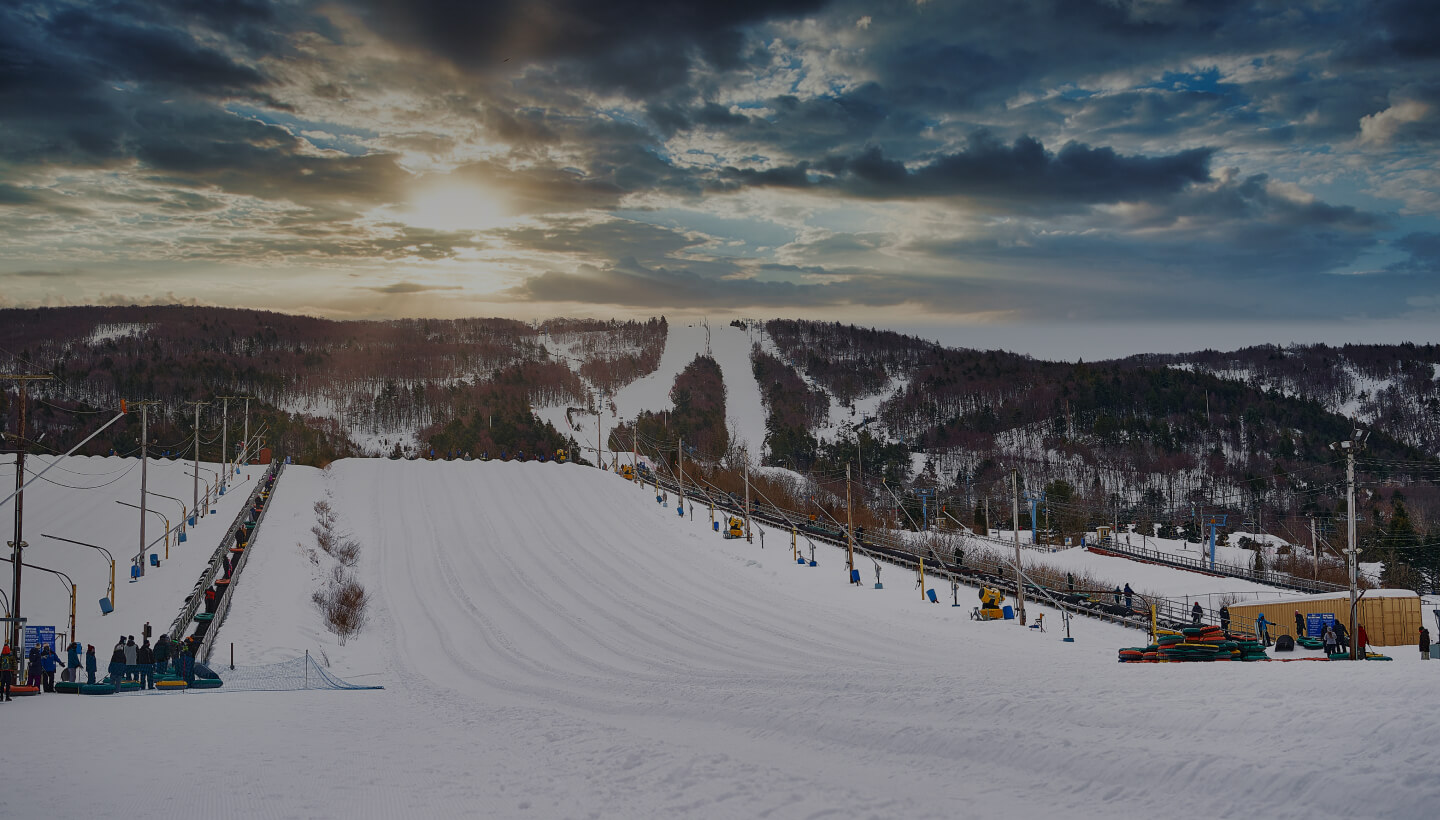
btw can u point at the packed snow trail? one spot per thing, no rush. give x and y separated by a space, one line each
556 644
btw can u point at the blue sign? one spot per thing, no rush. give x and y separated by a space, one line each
38 636
1316 622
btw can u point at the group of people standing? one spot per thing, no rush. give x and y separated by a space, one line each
128 662
142 663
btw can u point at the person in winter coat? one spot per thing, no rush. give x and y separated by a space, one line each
1361 640
90 663
1262 629
1299 624
32 668
1342 638
7 672
1424 644
1332 643
185 664
162 654
132 660
145 658
1224 618
49 662
1117 595
1128 594
117 663
1196 614
73 659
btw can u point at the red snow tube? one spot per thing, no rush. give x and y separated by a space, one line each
24 690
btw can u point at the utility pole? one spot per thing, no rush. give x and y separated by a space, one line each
1015 511
18 545
144 465
599 421
1315 548
748 538
195 471
245 450
1352 552
849 525
224 440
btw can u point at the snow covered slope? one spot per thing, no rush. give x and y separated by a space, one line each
555 643
730 347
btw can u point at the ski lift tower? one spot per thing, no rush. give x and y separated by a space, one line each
1214 522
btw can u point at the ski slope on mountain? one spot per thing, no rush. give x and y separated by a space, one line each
555 643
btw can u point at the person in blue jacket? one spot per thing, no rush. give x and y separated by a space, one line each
73 658
49 662
90 663
1262 630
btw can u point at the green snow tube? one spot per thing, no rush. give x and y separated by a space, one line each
206 683
204 616
68 687
96 689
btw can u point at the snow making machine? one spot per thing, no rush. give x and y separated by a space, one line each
627 472
734 528
989 609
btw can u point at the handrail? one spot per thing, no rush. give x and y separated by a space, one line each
207 645
187 611
1278 579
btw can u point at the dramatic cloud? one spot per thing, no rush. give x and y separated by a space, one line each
1042 158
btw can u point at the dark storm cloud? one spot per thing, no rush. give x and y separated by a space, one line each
1424 250
1023 173
640 46
411 287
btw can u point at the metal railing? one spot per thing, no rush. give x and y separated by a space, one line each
207 644
207 578
1274 579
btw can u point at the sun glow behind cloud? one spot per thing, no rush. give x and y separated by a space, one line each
452 206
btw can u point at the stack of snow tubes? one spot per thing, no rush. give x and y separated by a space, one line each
1196 644
1310 643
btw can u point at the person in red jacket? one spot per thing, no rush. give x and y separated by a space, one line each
1361 641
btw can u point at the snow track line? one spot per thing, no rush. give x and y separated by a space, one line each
207 645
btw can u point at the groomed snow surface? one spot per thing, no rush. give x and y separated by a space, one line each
555 644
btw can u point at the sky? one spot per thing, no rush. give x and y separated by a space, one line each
1069 165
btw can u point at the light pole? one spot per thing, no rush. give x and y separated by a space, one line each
165 535
93 547
209 488
64 579
183 511
1357 440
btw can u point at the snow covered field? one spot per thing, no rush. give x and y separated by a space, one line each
556 644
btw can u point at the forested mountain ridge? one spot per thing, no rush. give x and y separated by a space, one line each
326 388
